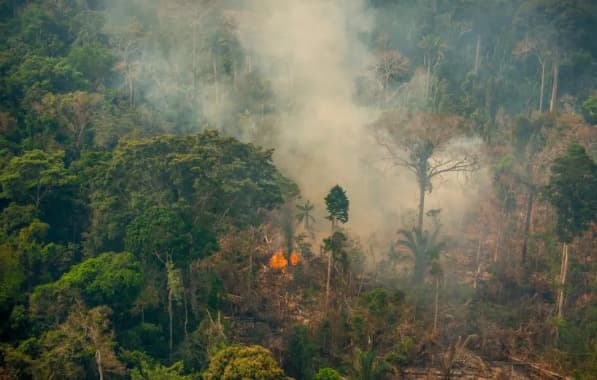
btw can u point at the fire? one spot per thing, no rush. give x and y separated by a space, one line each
295 258
278 261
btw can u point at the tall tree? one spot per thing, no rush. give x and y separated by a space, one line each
337 205
572 190
424 144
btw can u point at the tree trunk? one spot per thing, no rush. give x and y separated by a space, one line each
186 315
436 308
563 275
478 54
477 266
98 361
250 271
542 89
527 225
421 206
170 341
327 283
428 80
329 272
216 86
554 87
194 56
498 240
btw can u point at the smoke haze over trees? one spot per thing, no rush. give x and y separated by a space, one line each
169 169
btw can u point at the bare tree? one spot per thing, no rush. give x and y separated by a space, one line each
389 66
426 146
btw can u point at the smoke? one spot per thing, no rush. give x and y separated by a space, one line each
312 54
325 139
322 141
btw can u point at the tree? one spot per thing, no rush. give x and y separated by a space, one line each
425 248
304 214
337 205
529 140
572 191
555 28
164 237
74 111
157 371
298 360
110 279
243 362
427 146
12 277
389 66
211 182
33 176
366 367
327 374
434 48
589 109
84 338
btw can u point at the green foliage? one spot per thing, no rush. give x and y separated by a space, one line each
365 366
93 62
337 244
203 343
36 75
572 190
32 176
88 90
403 353
74 113
111 278
71 349
243 362
164 234
158 371
145 336
213 181
11 276
425 247
382 304
589 109
298 360
327 374
337 204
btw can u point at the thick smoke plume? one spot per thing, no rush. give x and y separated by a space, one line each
312 54
325 139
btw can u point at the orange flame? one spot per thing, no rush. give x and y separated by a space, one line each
278 261
295 258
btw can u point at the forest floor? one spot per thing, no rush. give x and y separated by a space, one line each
495 370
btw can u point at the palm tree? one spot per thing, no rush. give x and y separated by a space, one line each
425 247
365 367
304 214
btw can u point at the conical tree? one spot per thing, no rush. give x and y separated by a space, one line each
337 205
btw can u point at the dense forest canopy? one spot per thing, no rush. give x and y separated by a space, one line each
325 189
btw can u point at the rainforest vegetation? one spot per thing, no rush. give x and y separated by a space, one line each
325 189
